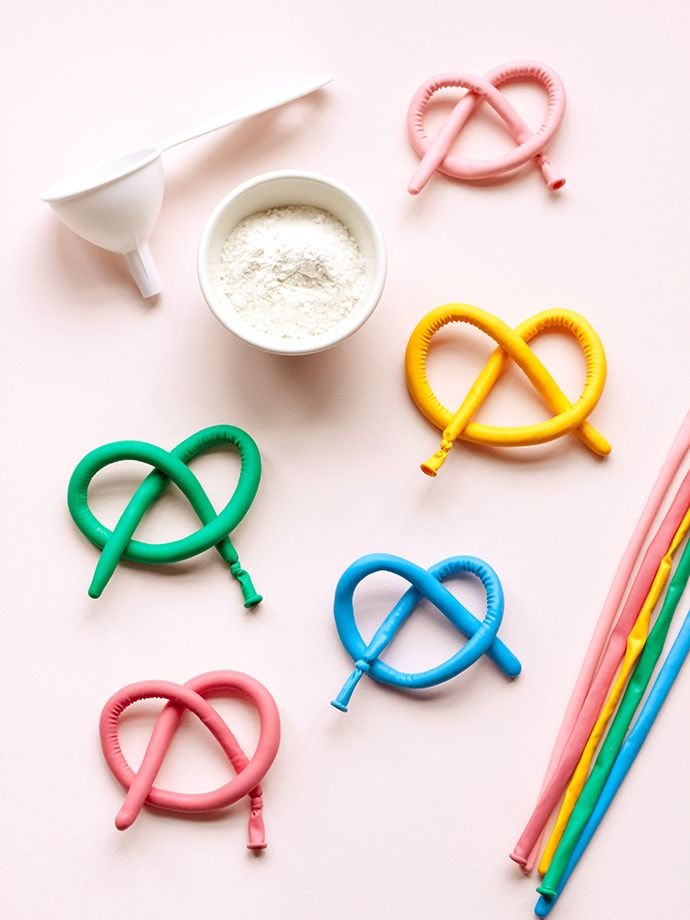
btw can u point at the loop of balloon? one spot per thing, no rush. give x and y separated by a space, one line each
425 584
168 466
436 152
192 697
512 345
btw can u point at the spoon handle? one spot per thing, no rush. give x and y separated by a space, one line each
246 110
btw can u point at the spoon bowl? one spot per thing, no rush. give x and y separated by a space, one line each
116 206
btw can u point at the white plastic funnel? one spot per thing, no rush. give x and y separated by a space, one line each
116 205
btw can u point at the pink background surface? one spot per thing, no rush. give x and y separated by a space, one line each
407 806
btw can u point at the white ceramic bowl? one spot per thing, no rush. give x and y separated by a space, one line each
277 189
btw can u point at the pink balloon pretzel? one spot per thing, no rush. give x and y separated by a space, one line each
436 153
192 696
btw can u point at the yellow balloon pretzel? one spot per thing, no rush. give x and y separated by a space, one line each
512 344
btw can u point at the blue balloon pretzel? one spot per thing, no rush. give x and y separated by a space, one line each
425 583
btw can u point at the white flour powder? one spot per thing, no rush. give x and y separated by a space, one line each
292 272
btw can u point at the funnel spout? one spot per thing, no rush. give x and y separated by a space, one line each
143 269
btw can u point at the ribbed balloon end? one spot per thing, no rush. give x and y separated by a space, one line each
554 180
342 700
546 891
431 466
250 595
520 860
256 831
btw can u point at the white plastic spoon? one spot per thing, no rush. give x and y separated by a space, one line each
116 205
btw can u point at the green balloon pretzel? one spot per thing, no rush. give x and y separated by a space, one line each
168 466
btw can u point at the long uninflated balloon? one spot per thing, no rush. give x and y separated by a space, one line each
628 753
612 604
641 642
599 689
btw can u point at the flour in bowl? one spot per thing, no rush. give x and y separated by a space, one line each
292 272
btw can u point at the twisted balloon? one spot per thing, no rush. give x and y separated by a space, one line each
436 153
169 466
192 696
512 345
425 584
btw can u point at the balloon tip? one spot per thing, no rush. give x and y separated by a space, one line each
122 822
547 891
